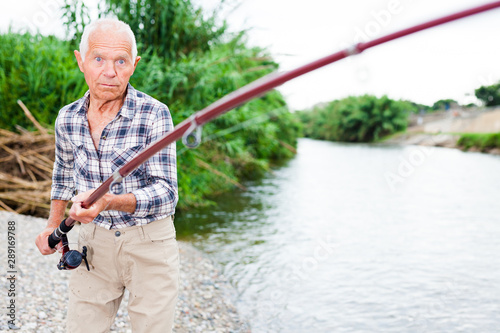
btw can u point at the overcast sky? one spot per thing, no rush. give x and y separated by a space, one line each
445 62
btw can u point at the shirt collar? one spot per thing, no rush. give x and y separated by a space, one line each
83 106
127 110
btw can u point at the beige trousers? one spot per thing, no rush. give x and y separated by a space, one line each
142 259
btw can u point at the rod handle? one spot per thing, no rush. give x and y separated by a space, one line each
55 236
53 241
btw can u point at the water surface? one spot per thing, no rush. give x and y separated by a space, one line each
363 238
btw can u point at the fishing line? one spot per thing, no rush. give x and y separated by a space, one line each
247 123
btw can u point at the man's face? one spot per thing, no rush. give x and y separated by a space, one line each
108 64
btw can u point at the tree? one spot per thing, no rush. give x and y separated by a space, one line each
444 104
356 119
489 95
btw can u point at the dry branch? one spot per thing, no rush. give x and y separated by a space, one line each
207 166
28 114
26 161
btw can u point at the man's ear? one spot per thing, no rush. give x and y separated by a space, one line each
78 57
136 61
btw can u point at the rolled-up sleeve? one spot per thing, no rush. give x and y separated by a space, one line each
160 196
63 185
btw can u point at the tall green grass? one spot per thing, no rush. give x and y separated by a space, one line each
480 141
42 72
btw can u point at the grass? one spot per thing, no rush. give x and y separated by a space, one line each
480 141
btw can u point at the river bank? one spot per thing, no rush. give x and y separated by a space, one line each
205 304
443 129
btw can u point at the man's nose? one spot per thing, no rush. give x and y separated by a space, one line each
109 69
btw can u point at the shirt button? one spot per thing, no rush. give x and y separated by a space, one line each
104 137
117 234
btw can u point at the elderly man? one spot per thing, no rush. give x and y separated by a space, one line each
130 236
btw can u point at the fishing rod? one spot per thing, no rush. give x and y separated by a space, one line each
190 129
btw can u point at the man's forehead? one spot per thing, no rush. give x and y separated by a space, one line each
110 38
104 41
109 52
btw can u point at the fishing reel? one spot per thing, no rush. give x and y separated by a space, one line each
71 259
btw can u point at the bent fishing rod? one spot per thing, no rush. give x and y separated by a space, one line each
190 129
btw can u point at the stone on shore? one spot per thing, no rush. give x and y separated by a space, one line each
205 301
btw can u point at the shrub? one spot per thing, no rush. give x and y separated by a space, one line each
356 119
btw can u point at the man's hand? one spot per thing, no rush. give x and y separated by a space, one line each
57 209
109 201
42 242
87 215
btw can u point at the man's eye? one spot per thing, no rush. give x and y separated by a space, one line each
121 62
98 59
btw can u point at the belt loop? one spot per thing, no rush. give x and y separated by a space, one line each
93 230
89 228
141 232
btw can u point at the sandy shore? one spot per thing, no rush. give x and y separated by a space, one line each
205 297
441 129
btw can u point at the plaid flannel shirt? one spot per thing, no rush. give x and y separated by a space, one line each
79 167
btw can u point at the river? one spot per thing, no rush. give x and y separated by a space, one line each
362 238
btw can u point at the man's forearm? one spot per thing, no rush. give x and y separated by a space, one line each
162 193
123 202
57 213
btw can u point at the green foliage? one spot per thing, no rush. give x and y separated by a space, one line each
417 107
481 141
172 28
444 104
356 119
193 83
470 105
489 95
42 72
188 66
75 16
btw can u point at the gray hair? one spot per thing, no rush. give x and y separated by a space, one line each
106 23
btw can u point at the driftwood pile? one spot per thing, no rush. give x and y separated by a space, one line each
26 161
